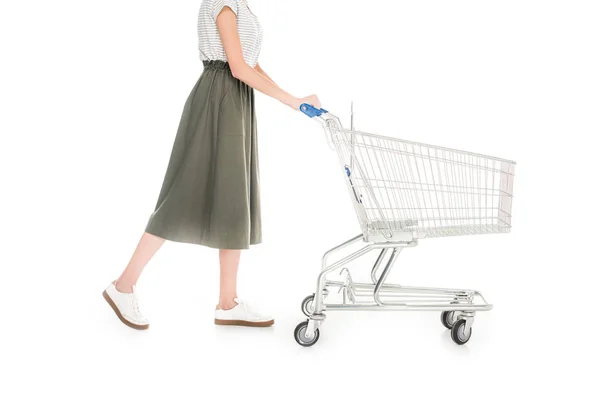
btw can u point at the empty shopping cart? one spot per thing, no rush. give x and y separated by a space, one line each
403 191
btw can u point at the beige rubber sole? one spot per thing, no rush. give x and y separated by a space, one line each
237 322
123 320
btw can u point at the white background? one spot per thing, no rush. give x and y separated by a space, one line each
91 95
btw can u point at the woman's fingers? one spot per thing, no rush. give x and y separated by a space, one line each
315 101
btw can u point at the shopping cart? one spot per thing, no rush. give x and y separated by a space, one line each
404 191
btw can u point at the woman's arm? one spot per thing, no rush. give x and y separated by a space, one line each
227 25
261 71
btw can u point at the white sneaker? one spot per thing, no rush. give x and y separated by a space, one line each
242 314
126 307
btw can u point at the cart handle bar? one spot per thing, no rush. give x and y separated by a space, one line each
312 111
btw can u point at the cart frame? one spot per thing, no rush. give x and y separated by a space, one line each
458 306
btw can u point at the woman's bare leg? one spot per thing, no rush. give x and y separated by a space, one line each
229 261
227 312
145 250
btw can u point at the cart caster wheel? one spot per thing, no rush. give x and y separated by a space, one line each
448 318
303 340
307 305
458 332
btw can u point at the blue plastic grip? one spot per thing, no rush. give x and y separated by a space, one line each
312 111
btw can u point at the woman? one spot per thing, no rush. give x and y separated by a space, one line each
210 194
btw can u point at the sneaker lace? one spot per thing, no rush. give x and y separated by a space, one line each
247 308
242 304
135 306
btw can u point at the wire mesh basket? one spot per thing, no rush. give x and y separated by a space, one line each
402 188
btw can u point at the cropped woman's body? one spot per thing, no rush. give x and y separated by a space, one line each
210 194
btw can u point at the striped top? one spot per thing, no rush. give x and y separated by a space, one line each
249 29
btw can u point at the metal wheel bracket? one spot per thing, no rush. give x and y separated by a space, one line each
314 322
469 317
453 316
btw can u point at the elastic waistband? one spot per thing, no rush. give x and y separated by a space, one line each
215 64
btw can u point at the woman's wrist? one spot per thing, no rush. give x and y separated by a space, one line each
290 101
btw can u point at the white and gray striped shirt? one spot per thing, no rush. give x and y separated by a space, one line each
249 29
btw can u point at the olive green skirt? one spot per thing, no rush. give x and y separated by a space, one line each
210 193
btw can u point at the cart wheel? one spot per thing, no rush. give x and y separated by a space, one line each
307 305
458 332
303 340
448 318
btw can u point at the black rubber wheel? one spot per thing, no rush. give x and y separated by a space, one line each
307 305
447 319
458 332
301 339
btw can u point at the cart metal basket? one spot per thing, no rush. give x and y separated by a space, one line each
403 191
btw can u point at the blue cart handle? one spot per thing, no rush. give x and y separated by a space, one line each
312 111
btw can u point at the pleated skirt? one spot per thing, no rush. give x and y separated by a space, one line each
210 193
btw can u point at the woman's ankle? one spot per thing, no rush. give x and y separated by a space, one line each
123 287
226 304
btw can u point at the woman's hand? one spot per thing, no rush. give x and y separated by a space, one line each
313 100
